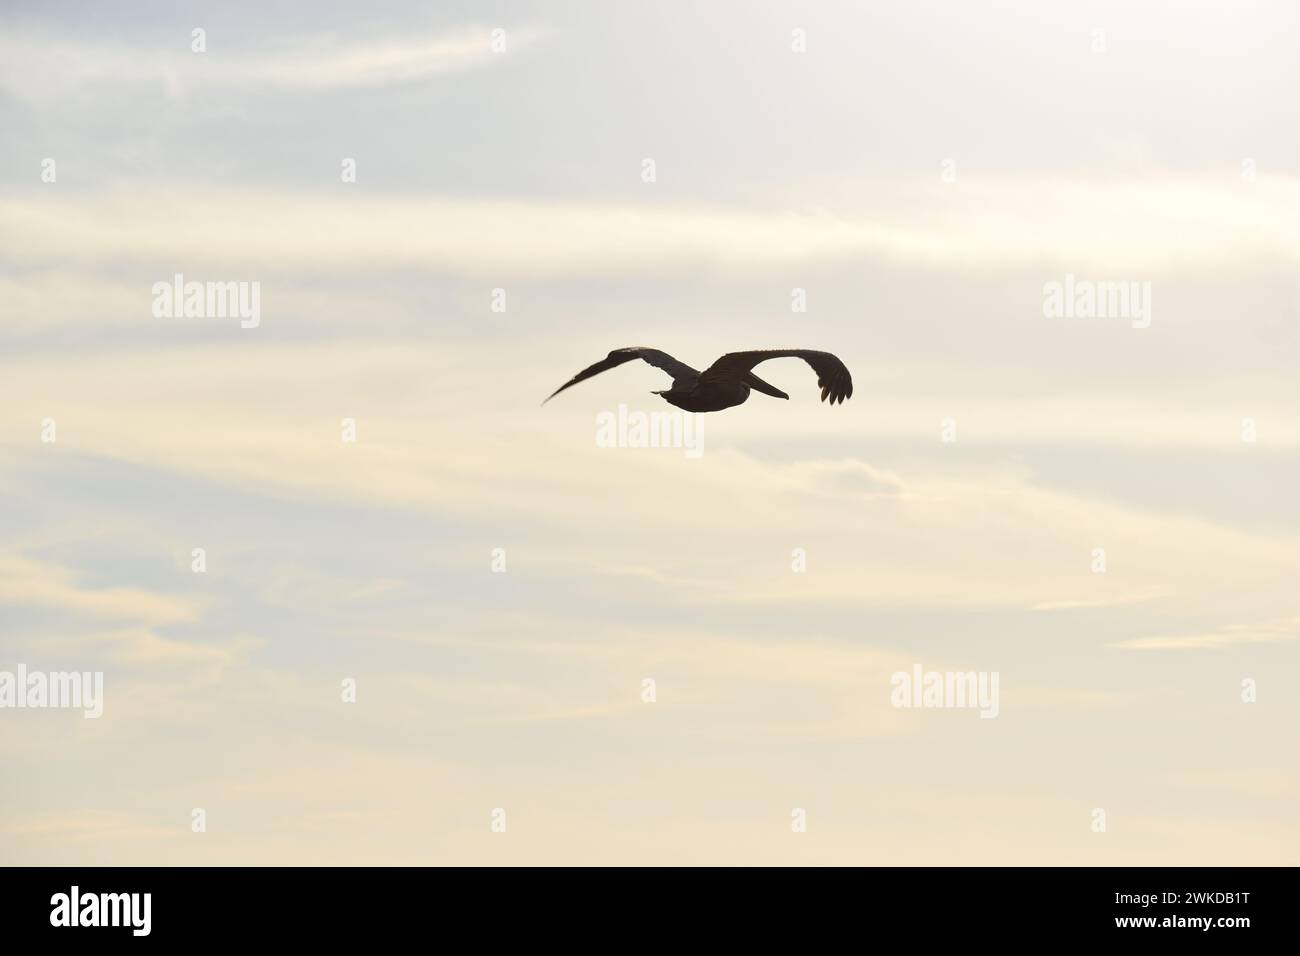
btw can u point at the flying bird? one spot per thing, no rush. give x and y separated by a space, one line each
726 382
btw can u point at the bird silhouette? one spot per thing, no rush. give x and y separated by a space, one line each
726 382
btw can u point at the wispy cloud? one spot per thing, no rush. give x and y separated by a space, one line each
32 583
44 68
1268 632
241 228
1117 600
329 63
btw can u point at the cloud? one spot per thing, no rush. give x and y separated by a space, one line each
132 645
252 230
44 69
297 586
850 478
86 826
201 228
1269 783
328 64
1268 632
46 298
1117 600
26 582
264 417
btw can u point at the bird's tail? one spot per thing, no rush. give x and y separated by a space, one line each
758 385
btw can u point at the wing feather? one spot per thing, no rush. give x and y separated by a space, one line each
678 370
832 375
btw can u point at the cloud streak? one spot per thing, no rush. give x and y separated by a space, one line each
44 69
203 227
1267 632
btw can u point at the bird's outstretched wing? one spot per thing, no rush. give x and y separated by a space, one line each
832 375
678 370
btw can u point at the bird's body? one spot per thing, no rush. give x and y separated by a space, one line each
706 398
728 381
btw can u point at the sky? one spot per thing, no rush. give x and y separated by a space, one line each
437 623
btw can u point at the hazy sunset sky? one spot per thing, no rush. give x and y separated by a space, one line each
921 171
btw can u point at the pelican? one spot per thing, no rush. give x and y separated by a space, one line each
726 382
